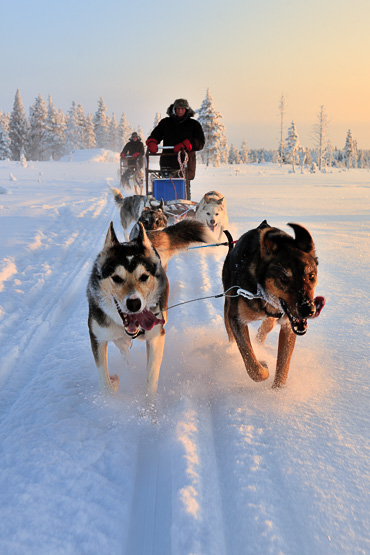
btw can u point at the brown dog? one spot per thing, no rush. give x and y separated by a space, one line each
270 276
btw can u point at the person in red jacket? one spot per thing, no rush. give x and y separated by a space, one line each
180 131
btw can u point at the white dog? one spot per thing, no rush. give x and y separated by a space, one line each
212 211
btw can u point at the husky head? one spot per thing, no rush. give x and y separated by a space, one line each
154 217
212 211
288 274
129 281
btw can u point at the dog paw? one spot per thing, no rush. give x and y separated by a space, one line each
114 382
261 373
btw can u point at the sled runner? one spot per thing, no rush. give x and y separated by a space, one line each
169 184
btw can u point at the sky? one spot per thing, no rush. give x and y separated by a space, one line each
141 56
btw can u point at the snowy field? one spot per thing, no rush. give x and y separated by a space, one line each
232 467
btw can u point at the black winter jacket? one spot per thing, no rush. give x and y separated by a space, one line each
132 147
173 130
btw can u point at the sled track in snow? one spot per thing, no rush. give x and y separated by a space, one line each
53 302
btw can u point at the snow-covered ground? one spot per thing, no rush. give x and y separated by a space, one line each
232 467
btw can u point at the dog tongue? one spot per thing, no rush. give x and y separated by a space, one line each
319 303
145 320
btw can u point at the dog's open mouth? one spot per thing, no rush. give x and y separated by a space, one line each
138 322
299 325
212 227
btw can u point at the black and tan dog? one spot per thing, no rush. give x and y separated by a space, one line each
128 293
270 276
152 219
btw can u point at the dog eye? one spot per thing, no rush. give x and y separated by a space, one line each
144 277
312 277
117 279
283 279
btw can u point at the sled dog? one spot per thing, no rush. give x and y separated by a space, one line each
279 272
128 293
152 219
131 207
212 211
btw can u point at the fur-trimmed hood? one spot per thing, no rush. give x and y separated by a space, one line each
171 112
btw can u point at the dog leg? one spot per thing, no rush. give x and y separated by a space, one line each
267 325
154 352
239 331
285 350
106 382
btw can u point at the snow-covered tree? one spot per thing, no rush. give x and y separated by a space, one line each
53 139
321 130
214 132
37 122
282 107
18 128
349 150
5 151
101 125
328 154
89 133
113 134
140 133
74 129
157 119
234 155
224 147
124 131
244 152
292 145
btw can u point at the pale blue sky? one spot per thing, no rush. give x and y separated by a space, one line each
140 56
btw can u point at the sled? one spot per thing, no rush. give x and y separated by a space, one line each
171 185
131 176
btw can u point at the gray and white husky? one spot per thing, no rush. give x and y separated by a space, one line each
131 208
128 294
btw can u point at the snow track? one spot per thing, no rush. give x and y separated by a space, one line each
226 466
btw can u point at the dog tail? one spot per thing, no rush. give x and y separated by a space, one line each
179 237
230 239
117 196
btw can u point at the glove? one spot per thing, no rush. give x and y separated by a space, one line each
152 145
122 155
186 145
136 154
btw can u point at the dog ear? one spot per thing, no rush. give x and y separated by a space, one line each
221 200
268 244
303 238
111 237
207 198
143 238
161 205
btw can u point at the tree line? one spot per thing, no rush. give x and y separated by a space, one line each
49 134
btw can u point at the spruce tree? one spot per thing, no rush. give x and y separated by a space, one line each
113 134
18 128
214 132
124 131
349 150
89 133
5 151
54 134
321 129
244 152
37 122
101 125
73 129
292 145
234 155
